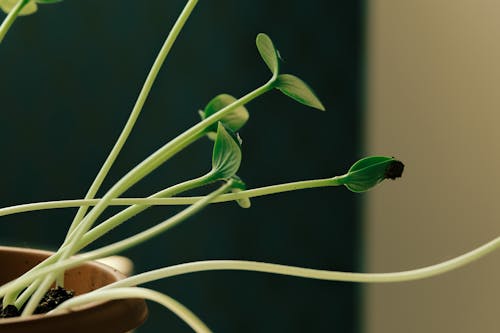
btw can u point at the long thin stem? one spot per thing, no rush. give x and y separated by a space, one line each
139 104
40 291
25 279
267 190
253 266
101 230
154 161
120 246
146 88
11 17
120 293
133 210
9 298
26 294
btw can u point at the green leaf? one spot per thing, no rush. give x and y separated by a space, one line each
8 5
369 171
238 183
226 155
297 89
234 120
238 186
268 53
28 9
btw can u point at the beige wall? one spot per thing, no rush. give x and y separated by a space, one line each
434 102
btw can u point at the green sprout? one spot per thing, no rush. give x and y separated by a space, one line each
221 119
19 7
23 7
369 171
288 84
15 8
233 121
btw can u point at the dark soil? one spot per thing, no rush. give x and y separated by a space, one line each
9 311
50 301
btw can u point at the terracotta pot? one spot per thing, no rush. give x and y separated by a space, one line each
110 317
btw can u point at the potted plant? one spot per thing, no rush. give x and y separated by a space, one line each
115 316
221 119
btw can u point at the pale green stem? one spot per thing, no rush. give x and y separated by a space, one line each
146 202
154 161
309 273
11 17
132 241
27 294
25 279
267 190
9 298
180 310
146 88
133 210
39 292
105 227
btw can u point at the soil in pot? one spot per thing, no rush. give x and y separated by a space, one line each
113 316
50 301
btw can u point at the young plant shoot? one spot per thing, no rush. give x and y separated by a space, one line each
221 119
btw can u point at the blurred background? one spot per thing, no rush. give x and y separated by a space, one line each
432 87
412 79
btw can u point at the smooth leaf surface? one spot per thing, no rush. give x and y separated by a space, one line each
28 9
297 89
369 161
238 183
234 120
226 155
369 171
268 52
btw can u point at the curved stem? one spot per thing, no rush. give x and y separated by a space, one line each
11 17
39 291
27 278
155 160
96 233
119 246
267 190
26 294
13 294
120 293
133 210
241 265
146 88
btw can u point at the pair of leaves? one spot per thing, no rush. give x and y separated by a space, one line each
369 171
234 120
288 84
226 160
365 173
226 154
29 8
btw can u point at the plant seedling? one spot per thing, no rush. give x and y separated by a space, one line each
221 119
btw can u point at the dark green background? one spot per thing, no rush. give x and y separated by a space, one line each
69 77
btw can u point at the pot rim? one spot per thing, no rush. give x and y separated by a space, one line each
125 313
